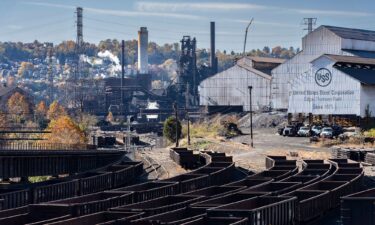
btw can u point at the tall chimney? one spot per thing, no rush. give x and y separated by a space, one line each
142 50
213 60
122 74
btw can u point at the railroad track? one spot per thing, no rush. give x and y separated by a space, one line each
211 194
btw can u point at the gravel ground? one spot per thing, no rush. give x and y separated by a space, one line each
267 142
161 160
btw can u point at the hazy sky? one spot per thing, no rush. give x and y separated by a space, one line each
276 22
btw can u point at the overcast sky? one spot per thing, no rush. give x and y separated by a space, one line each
276 22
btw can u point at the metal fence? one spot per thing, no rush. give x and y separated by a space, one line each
44 146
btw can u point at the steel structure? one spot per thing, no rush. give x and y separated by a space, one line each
187 83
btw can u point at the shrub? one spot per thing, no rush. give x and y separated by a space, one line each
169 129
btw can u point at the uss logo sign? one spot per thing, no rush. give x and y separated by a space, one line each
323 77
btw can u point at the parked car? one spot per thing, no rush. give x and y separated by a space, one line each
304 132
280 130
337 130
327 132
315 130
290 130
350 131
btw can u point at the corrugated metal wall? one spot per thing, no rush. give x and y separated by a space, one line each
319 42
341 96
230 88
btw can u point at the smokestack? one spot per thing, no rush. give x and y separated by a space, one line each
122 73
142 50
213 59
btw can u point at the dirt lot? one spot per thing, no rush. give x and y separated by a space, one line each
267 142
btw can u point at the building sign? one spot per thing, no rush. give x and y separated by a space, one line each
323 77
324 91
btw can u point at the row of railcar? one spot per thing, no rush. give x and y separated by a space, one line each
281 195
26 163
245 204
316 199
60 188
136 194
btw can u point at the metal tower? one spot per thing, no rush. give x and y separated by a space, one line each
79 27
310 22
187 83
50 71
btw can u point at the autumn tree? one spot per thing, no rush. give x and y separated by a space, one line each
85 121
18 106
3 120
41 109
55 111
41 115
110 117
157 84
25 69
64 130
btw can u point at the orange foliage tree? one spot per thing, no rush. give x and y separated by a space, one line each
3 120
18 106
110 117
55 111
41 109
65 131
4 123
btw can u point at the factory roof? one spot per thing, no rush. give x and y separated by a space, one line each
361 69
360 53
351 59
251 69
365 76
267 59
351 33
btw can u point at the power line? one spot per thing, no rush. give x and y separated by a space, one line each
44 25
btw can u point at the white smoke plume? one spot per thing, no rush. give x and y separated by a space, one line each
116 67
91 60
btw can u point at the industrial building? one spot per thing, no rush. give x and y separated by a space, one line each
334 74
335 84
228 90
323 40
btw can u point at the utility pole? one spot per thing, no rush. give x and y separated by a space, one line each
176 116
247 29
50 72
251 117
310 22
188 124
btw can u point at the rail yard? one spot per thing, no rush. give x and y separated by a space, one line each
200 112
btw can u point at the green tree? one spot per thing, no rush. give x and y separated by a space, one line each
169 130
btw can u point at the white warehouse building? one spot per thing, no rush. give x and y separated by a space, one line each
228 89
335 84
294 85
